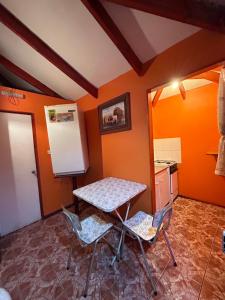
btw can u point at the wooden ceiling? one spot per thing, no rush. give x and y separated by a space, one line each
202 14
206 14
207 77
25 76
14 24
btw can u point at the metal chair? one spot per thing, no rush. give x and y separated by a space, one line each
4 295
145 227
89 232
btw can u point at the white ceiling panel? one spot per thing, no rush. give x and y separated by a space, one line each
68 28
18 82
25 57
148 34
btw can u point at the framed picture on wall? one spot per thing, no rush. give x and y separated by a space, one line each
115 115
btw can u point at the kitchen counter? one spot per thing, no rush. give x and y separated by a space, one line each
159 169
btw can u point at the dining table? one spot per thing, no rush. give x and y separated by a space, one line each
108 195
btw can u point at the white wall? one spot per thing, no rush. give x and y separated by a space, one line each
168 149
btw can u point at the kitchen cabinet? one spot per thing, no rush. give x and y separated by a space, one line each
67 139
162 188
174 185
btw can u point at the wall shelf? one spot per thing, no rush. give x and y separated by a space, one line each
215 153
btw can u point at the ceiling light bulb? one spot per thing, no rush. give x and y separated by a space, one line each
175 84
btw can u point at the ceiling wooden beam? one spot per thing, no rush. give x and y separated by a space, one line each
217 69
27 77
204 14
210 75
213 76
9 20
156 97
182 90
106 22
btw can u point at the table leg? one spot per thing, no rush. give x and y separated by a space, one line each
122 244
119 252
123 231
75 199
117 256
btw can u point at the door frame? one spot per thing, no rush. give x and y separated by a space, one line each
35 152
150 122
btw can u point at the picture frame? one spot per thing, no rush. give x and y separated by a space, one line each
115 115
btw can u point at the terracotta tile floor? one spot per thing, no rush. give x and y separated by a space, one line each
34 260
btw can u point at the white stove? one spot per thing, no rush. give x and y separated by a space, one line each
170 163
173 175
164 161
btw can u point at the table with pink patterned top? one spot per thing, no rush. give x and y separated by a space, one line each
108 195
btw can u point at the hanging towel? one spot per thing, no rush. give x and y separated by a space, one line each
220 166
221 103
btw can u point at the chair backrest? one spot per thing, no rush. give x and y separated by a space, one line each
4 295
74 221
161 219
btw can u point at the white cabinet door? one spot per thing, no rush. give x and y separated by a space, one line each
157 194
162 188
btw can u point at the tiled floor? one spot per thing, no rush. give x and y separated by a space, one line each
34 260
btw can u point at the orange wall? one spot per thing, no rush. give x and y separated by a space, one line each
126 154
95 171
121 156
195 121
53 191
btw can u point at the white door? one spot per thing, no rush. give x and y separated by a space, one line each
19 195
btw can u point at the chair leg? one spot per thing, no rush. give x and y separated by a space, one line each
110 246
147 266
169 247
69 257
89 270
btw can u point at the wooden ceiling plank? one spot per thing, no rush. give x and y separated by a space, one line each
217 69
156 97
14 24
214 76
100 14
182 90
206 15
210 75
27 77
